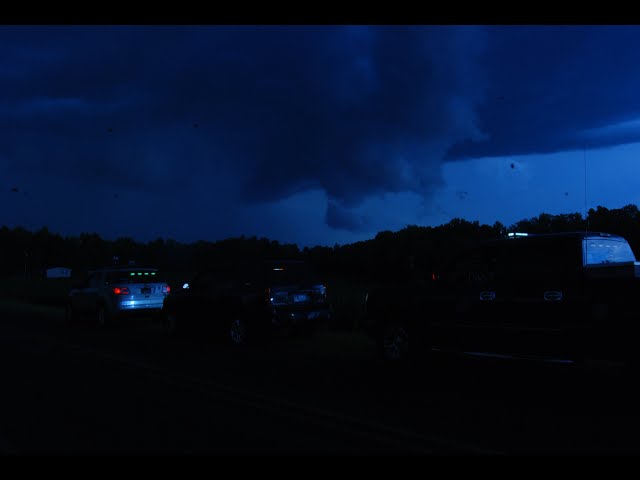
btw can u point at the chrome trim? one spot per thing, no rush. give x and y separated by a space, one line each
486 296
552 295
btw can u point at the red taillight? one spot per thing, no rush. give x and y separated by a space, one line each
121 291
166 289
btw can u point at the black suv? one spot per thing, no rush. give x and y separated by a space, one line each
565 297
247 302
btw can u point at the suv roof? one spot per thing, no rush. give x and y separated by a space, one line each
583 233
523 237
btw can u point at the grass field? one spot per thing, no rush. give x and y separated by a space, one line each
37 291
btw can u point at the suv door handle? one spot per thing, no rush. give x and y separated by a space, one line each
552 295
487 295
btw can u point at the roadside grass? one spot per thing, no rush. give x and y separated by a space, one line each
36 291
21 306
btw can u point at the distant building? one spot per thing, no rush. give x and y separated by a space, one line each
59 272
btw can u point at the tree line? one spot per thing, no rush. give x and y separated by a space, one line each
389 255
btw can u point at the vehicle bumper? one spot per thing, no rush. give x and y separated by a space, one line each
135 310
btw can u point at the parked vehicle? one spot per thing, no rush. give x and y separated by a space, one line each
246 302
566 297
109 293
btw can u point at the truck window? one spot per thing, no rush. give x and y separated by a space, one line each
598 250
476 266
541 259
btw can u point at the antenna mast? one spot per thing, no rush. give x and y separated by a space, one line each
586 213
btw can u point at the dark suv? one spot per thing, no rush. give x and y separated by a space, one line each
246 302
563 298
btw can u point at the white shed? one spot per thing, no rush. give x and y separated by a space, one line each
58 272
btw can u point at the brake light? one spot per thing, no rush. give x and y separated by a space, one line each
121 290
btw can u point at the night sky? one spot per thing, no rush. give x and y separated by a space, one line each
312 135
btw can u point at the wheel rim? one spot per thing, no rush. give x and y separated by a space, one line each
238 331
395 343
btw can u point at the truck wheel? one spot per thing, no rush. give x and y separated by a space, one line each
238 330
170 323
101 317
70 315
394 343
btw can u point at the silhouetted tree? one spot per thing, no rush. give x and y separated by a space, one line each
389 255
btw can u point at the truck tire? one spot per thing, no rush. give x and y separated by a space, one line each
394 343
70 315
238 331
102 317
170 323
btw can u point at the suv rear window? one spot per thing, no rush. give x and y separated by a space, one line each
599 250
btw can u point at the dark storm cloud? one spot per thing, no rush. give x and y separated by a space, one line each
555 88
362 111
355 111
342 218
222 117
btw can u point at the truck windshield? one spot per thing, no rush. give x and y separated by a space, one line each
606 250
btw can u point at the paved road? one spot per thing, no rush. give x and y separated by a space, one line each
130 389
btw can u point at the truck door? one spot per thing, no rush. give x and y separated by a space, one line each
479 301
543 296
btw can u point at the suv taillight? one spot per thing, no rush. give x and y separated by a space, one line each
121 290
